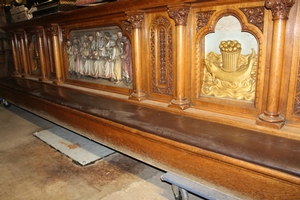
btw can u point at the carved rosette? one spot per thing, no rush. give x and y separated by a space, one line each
203 18
255 16
179 15
280 8
135 19
161 79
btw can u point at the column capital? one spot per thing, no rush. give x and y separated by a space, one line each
20 34
179 13
39 31
135 18
280 8
52 30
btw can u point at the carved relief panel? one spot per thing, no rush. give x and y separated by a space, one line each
161 59
228 53
230 62
99 56
33 54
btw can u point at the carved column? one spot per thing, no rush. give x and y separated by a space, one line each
53 31
136 18
41 49
49 53
280 12
179 14
21 39
15 53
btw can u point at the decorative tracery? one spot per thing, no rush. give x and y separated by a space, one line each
161 56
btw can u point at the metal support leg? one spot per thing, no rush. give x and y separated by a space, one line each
180 193
182 186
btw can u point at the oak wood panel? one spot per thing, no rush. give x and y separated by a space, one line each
276 94
241 178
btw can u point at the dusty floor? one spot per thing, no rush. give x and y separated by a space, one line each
32 170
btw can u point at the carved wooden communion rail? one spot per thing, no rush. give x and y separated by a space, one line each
222 118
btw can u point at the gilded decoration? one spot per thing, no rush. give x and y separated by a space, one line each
255 16
280 8
230 74
161 56
203 18
100 55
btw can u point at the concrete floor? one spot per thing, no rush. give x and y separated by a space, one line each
32 170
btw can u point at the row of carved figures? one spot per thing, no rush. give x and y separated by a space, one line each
104 57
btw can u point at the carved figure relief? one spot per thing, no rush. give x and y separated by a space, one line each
230 73
100 55
161 56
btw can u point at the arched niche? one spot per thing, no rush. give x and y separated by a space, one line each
229 28
234 76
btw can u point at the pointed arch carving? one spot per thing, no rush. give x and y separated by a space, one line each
246 26
161 56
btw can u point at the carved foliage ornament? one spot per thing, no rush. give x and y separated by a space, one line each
63 32
53 30
297 97
135 19
39 32
203 18
127 26
255 16
162 71
280 8
179 15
